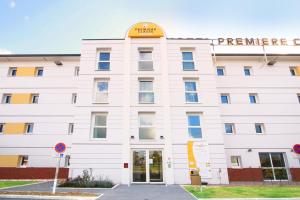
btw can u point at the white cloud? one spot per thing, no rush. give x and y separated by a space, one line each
12 4
26 18
5 51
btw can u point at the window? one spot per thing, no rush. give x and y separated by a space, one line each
99 126
253 98
146 94
236 161
194 126
6 98
220 71
225 98
29 127
104 61
229 128
71 128
76 72
145 62
74 98
101 91
293 71
39 71
24 161
191 95
247 71
67 160
12 71
146 126
259 128
273 166
34 98
1 128
298 95
188 61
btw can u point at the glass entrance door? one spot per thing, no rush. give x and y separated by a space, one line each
139 166
147 166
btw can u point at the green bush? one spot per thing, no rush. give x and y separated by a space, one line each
86 180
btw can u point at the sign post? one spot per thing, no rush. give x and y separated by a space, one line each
59 148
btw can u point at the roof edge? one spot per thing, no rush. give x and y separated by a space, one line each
38 55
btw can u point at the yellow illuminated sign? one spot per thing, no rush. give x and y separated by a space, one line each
145 30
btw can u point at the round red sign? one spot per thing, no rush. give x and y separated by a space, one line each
60 147
296 148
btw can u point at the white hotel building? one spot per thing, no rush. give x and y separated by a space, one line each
150 109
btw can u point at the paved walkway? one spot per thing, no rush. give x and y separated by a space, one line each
147 192
121 192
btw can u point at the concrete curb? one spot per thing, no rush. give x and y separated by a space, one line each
75 188
182 186
50 197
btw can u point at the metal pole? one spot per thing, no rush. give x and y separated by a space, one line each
56 175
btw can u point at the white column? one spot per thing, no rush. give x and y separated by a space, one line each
168 154
126 113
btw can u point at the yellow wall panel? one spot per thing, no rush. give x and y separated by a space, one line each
14 128
21 98
9 161
191 156
26 71
297 71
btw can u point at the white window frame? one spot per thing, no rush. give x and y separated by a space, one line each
24 159
293 68
190 61
2 131
189 126
273 168
232 127
74 98
4 98
10 70
141 60
28 127
194 92
71 129
255 96
250 70
35 97
262 126
146 91
93 125
77 69
152 114
37 71
223 68
228 98
103 61
96 91
239 162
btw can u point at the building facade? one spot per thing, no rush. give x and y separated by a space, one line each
151 109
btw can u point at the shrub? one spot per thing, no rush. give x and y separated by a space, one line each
86 180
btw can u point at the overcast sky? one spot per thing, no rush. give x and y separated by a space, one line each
57 26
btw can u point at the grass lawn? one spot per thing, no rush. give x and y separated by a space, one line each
244 191
4 184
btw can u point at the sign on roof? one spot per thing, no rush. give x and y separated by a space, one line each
145 30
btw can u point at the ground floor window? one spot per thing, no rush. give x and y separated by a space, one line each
273 166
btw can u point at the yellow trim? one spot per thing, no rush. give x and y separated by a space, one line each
14 128
145 30
191 156
9 161
297 70
20 98
26 71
